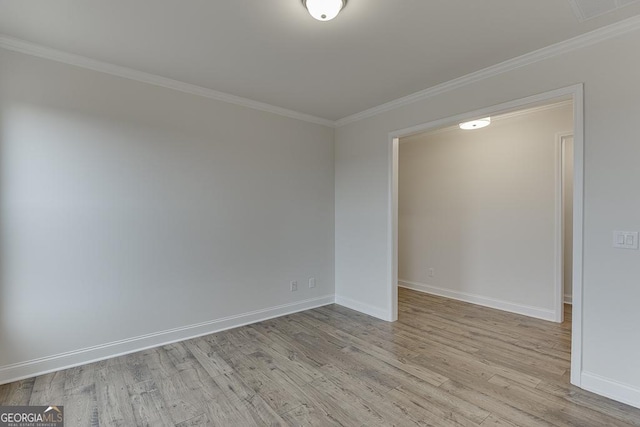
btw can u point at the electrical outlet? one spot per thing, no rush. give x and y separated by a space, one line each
294 286
432 272
312 282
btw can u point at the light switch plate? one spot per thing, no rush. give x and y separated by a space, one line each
625 239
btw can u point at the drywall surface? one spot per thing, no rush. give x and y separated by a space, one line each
128 210
478 209
567 211
611 201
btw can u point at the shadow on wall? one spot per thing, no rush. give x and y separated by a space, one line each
4 333
34 270
6 339
14 311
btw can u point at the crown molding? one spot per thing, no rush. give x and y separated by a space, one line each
33 49
584 40
578 42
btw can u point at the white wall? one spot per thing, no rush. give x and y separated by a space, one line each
567 211
128 210
478 207
611 354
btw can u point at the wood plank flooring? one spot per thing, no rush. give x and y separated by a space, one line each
444 363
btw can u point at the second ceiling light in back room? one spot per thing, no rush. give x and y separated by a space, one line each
476 124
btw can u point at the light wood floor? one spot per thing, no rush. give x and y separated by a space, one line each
444 363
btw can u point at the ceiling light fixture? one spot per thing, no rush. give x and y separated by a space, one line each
324 10
476 124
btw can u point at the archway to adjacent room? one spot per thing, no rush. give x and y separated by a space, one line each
572 94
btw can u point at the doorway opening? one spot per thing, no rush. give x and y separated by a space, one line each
482 212
552 306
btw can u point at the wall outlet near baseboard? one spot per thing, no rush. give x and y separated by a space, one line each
294 286
432 272
312 282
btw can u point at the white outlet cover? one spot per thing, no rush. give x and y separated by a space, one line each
312 282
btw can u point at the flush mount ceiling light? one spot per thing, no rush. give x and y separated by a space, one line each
324 10
476 124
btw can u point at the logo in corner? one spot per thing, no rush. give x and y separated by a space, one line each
31 416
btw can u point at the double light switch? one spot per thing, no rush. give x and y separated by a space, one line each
625 239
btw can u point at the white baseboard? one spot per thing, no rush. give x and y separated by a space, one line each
363 308
568 299
537 312
615 390
44 365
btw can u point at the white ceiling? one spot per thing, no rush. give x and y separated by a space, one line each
272 51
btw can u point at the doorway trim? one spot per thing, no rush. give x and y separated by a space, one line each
561 266
575 93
